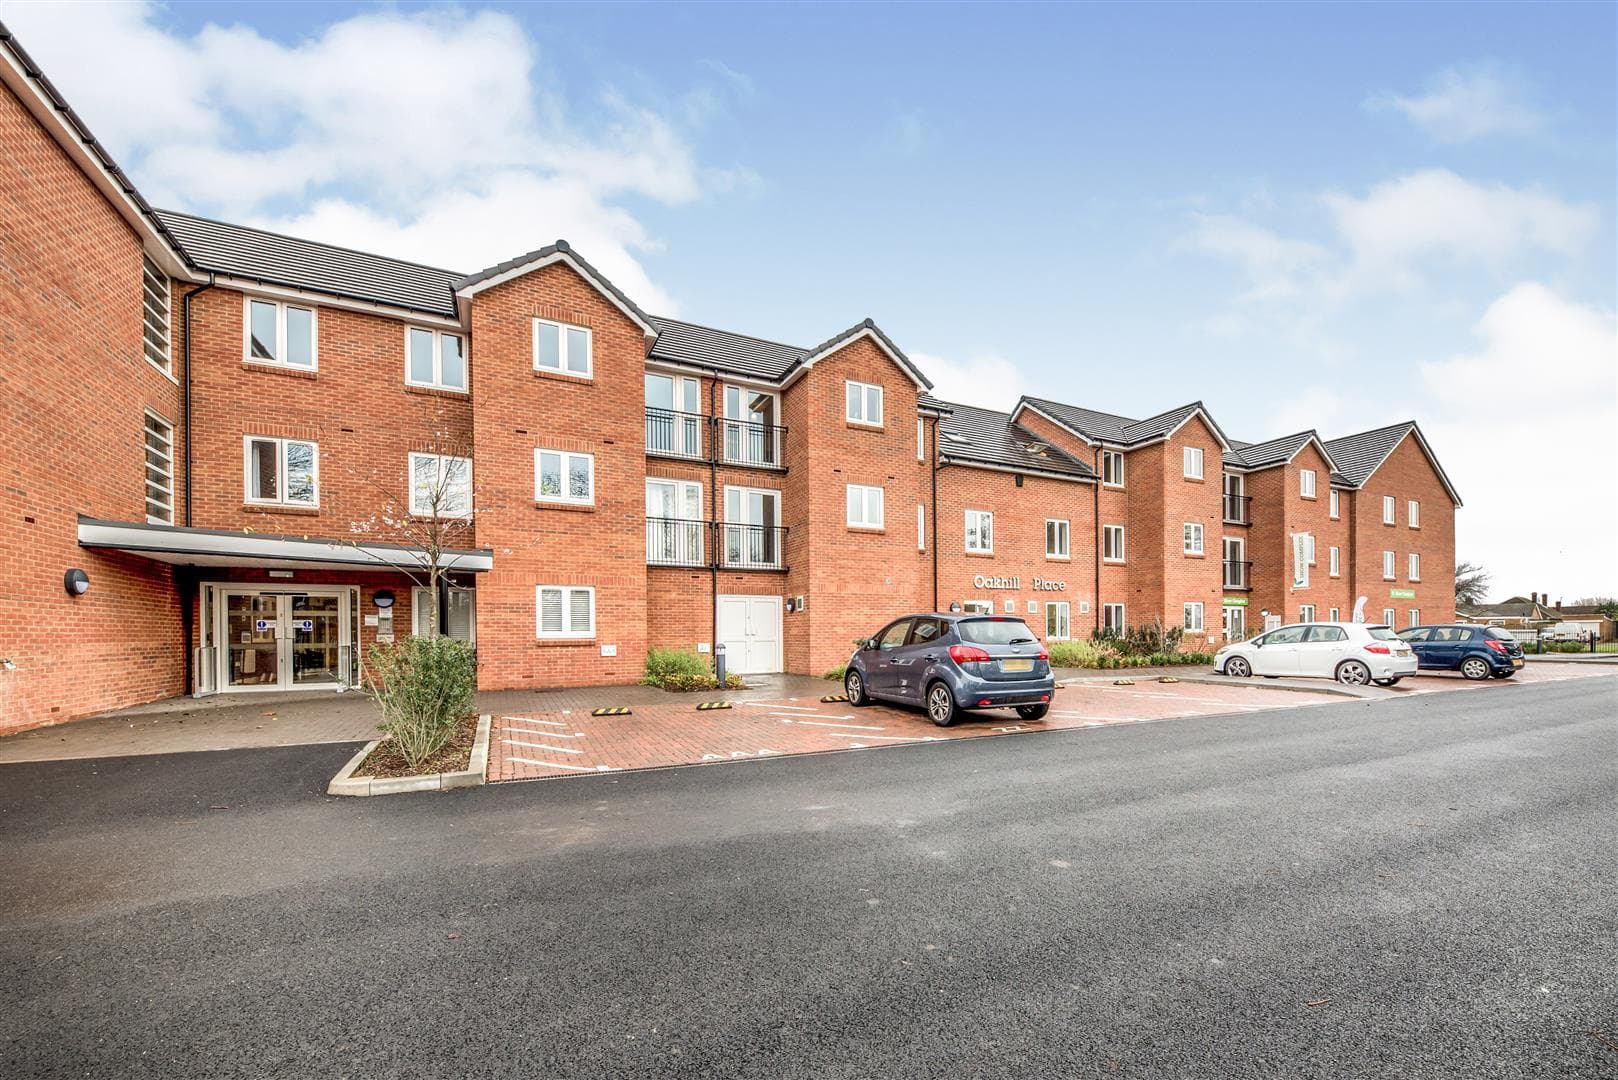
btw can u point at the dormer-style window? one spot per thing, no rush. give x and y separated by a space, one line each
282 335
562 348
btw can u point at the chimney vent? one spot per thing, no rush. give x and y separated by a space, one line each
1559 605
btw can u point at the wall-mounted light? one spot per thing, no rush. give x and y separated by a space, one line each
383 598
76 582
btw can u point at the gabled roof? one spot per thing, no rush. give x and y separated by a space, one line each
974 436
1094 427
931 404
560 251
1275 452
1359 456
864 328
275 259
702 346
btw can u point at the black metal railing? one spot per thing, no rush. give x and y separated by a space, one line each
676 542
1238 574
1236 507
746 442
675 434
751 547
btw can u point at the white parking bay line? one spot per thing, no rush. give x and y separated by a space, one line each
547 734
555 765
542 746
533 720
889 738
821 723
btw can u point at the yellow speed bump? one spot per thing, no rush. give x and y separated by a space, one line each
1167 678
835 697
704 706
1123 682
616 710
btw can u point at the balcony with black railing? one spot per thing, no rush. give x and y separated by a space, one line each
748 442
670 433
1236 509
1238 575
676 542
751 547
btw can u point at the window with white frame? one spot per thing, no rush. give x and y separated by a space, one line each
562 348
1193 617
1334 562
1415 567
863 403
1334 615
1010 606
921 439
1306 613
980 531
1058 622
1333 506
281 472
1389 509
157 296
434 359
1413 514
1389 572
565 611
1112 468
1306 483
1033 607
865 509
159 436
1414 614
1057 538
1112 617
440 486
921 527
459 616
1388 618
563 477
284 335
1193 538
1193 463
1112 543
977 607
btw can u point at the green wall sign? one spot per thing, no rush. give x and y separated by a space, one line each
1402 594
1235 601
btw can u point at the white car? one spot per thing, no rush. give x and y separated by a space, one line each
1351 653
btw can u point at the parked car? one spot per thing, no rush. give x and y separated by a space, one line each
1477 652
948 664
1351 653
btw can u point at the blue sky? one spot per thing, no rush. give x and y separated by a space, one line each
1304 215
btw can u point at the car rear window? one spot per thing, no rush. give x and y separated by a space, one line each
1499 634
1381 633
993 631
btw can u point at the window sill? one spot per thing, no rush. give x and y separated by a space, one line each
564 376
873 530
1111 487
1058 558
555 642
1309 498
435 391
295 511
280 369
1195 480
1195 554
860 425
166 372
1114 562
575 508
979 554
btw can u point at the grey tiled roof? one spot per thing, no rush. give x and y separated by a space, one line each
858 328
983 436
1273 452
703 346
1092 424
1357 456
1155 427
559 247
274 259
932 404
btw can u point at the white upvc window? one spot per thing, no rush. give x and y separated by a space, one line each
1010 606
865 508
564 477
1112 543
977 607
1112 617
284 335
1306 613
461 614
434 359
157 306
1415 567
863 403
1193 538
1058 620
921 439
281 472
1058 538
1193 463
562 348
1390 509
1389 571
1413 514
980 531
921 527
1334 562
1388 617
1414 615
1112 468
564 611
1334 615
159 436
1306 483
1193 617
1333 506
440 486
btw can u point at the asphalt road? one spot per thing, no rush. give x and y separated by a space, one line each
1425 887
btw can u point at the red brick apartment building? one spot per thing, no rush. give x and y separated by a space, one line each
215 438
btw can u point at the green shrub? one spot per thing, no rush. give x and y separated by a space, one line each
425 688
682 670
1074 654
836 674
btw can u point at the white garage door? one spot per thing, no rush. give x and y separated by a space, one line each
750 630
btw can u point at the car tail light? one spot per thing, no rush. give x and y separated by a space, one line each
984 702
1044 655
1497 646
1378 648
968 654
1044 697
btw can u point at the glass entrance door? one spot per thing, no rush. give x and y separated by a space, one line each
314 639
253 631
286 641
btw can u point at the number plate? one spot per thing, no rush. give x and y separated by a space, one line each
1516 661
1016 665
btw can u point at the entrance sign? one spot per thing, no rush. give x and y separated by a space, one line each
261 624
1235 601
1402 594
303 624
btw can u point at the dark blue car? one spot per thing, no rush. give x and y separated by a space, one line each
1477 652
950 663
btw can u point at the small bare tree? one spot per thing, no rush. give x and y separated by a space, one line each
1471 583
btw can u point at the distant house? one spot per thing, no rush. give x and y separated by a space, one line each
1528 615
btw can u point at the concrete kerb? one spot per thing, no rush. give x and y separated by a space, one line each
475 773
1324 686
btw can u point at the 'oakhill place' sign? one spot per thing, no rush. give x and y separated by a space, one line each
983 581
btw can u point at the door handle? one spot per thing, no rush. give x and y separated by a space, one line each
931 658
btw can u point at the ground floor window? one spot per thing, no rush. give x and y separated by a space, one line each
565 612
1388 617
978 607
1415 617
1112 617
1058 625
1306 613
1193 618
462 614
1235 623
1336 616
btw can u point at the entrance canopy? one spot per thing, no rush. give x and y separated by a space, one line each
224 547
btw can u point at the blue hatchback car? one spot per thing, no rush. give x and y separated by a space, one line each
1475 651
951 663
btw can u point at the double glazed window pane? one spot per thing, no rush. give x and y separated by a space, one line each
281 471
300 484
452 362
562 348
421 356
548 350
264 470
266 323
550 476
262 327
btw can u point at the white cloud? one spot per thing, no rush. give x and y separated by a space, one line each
985 380
1524 426
438 135
1316 407
1274 265
1465 103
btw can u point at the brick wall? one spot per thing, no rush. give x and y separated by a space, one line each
1406 474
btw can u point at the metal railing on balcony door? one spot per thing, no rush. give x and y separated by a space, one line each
1238 574
751 547
676 542
746 442
1236 507
675 434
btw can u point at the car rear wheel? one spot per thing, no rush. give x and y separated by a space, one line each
1238 667
941 708
1033 712
855 686
1353 673
1475 668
